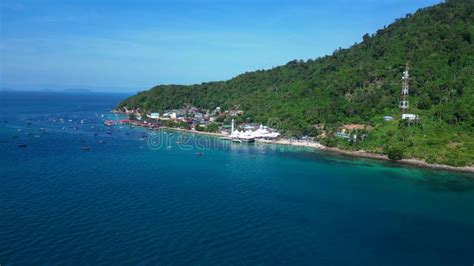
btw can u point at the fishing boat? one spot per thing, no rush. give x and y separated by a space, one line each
109 123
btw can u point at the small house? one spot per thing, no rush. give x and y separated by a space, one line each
154 115
410 117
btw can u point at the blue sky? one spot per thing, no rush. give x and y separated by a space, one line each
134 45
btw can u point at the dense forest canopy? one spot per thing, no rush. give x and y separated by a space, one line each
361 84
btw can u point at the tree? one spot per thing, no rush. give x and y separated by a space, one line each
200 128
395 152
213 127
424 102
466 35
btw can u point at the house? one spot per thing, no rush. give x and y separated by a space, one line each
154 115
198 115
387 118
342 135
410 117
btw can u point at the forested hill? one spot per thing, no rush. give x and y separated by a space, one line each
361 84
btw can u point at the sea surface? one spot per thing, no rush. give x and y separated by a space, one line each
84 193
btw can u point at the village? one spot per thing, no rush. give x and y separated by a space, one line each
218 122
224 123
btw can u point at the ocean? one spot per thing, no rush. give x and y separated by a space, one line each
83 193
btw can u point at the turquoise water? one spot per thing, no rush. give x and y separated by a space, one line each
130 201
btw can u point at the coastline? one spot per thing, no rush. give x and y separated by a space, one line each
364 154
360 154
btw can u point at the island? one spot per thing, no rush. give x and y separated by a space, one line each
404 93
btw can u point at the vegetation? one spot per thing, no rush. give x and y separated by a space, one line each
132 116
362 84
395 152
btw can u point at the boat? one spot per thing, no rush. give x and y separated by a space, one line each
247 139
199 154
21 145
86 148
109 123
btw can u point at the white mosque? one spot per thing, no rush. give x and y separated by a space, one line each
262 132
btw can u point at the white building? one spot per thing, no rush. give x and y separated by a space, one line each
154 115
261 133
410 117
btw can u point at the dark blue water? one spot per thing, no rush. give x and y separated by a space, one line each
130 201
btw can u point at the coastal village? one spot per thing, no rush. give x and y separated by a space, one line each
216 122
223 122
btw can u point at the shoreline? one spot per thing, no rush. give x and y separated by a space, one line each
369 155
358 154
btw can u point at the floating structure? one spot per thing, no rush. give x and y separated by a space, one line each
131 122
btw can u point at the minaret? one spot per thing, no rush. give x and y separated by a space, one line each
404 101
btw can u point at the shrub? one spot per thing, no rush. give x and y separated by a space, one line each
395 152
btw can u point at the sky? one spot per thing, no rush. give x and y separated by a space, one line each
129 46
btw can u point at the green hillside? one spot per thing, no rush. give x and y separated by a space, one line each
360 85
